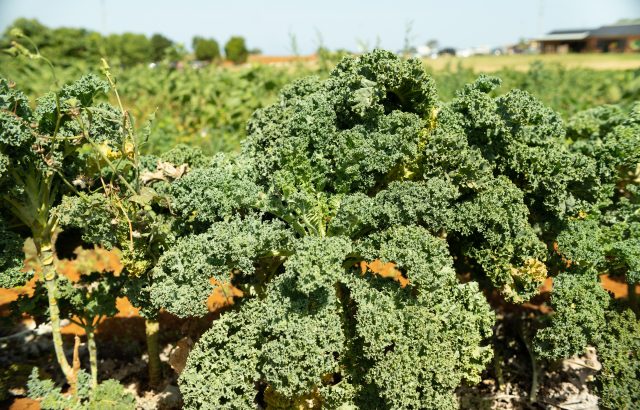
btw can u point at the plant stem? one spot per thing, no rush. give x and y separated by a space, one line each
54 315
633 297
93 355
535 382
152 329
75 367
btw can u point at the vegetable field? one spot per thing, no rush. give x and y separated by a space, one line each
363 232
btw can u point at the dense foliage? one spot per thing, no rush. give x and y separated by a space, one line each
210 106
350 201
603 239
235 49
354 239
206 49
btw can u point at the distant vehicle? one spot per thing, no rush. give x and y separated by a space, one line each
198 64
447 51
474 51
481 51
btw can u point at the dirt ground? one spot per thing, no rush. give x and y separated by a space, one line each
121 350
521 62
488 64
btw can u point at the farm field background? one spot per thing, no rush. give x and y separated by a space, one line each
330 231
522 62
208 106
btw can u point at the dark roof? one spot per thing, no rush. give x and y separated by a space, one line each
615 31
576 30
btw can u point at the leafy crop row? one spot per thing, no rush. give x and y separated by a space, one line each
354 238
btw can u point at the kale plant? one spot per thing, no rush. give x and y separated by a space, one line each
67 164
603 239
361 222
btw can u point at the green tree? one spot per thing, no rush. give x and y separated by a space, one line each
32 28
134 49
67 42
236 50
206 49
128 48
159 46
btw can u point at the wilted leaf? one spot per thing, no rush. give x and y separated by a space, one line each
145 197
165 171
178 356
532 268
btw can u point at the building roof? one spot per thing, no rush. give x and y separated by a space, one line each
566 36
571 31
616 30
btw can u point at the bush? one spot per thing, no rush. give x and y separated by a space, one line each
236 50
205 49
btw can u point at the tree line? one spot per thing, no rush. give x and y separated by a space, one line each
65 44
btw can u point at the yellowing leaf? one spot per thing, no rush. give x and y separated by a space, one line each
531 268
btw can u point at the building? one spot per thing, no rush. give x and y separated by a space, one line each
615 38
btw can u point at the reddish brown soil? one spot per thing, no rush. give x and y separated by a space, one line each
128 324
24 404
128 321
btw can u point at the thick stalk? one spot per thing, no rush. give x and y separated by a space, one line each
75 367
535 382
93 355
54 316
152 329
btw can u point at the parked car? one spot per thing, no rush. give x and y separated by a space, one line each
447 51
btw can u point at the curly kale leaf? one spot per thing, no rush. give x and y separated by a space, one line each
311 273
524 139
404 354
428 203
348 338
346 133
211 194
16 133
184 154
182 276
11 258
92 215
618 384
14 101
377 83
108 394
581 243
79 94
579 303
501 239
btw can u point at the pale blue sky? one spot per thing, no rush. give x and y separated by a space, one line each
342 23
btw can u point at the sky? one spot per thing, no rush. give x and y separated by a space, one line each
271 25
